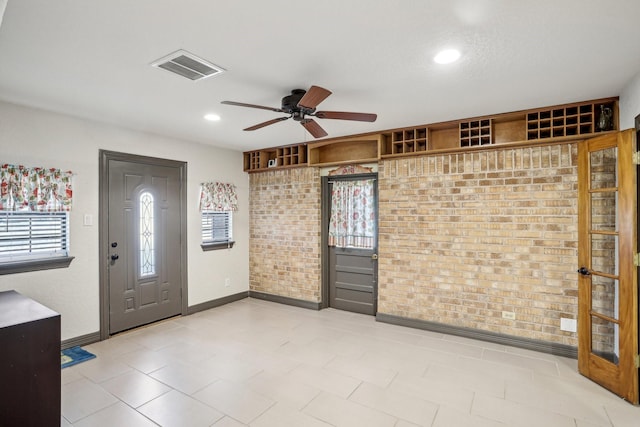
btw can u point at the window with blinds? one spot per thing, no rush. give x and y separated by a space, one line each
33 235
216 227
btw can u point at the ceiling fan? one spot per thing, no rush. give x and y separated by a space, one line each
301 105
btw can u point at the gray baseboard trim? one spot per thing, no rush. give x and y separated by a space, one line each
286 300
477 334
81 340
217 302
95 337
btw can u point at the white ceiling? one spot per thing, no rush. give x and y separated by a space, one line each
90 58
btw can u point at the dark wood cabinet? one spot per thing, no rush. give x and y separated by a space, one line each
29 362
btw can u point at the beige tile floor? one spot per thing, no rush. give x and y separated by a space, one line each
255 363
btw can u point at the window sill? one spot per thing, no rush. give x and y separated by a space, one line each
216 246
35 265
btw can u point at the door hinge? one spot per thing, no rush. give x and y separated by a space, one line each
636 158
636 360
636 260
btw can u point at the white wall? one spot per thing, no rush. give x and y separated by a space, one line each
630 103
38 138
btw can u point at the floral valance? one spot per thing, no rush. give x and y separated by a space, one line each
34 189
218 197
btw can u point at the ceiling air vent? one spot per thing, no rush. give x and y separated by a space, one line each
188 65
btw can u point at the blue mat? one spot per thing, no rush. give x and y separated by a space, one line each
73 356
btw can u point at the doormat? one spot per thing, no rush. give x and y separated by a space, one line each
73 356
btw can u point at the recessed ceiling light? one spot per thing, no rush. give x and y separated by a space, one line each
212 117
447 56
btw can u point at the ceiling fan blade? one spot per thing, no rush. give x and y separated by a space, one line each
344 115
314 96
242 104
313 128
267 123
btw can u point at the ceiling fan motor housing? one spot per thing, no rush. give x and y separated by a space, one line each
290 103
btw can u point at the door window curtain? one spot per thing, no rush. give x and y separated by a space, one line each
353 215
218 197
35 189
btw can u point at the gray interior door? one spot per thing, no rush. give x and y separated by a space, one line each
352 279
144 239
352 271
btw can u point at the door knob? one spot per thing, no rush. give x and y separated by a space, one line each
114 257
374 256
584 271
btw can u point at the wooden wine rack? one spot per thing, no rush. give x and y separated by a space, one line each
254 160
294 155
475 132
562 122
285 156
412 140
571 120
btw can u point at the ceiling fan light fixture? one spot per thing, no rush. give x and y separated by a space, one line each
447 56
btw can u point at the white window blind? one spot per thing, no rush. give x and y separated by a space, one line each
216 227
33 235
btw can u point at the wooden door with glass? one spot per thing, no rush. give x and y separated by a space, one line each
608 279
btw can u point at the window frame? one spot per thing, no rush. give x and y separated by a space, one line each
43 261
211 245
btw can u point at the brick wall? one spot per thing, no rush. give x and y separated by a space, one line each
464 237
284 228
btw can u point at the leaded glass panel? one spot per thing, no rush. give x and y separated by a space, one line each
147 259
